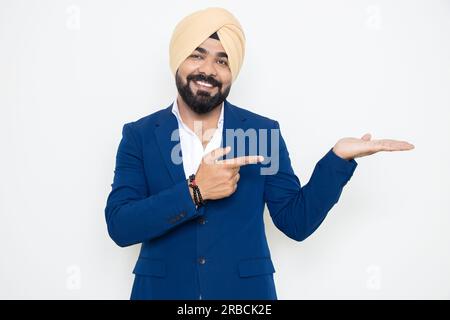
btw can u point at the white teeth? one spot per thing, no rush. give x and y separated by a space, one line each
204 84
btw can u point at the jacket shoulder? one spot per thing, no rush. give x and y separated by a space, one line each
262 120
149 121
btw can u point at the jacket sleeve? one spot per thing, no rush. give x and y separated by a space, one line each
132 215
298 211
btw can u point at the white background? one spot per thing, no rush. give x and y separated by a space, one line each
73 72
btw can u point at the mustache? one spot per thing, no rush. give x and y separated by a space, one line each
200 77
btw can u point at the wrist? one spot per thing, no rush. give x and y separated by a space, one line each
196 193
191 192
202 189
338 153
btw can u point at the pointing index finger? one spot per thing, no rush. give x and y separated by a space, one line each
241 161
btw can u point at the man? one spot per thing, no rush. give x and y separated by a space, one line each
195 197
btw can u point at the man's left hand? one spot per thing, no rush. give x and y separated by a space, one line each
350 148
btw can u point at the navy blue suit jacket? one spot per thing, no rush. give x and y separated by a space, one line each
218 251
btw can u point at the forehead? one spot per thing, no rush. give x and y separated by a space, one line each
212 45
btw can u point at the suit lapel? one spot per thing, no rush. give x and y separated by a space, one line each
168 139
232 120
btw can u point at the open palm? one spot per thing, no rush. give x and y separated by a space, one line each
350 148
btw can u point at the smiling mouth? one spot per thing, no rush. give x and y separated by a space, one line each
204 85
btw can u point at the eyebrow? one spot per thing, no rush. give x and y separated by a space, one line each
218 54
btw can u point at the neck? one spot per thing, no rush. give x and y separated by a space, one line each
208 120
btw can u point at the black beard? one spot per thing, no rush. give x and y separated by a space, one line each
203 102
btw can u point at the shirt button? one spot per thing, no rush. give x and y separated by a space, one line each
202 260
202 220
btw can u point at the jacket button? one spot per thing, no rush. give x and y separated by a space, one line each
183 214
202 260
201 220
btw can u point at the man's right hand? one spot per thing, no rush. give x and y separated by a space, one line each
218 179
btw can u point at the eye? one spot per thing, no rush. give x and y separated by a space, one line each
223 62
196 56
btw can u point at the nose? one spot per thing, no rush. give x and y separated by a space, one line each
208 67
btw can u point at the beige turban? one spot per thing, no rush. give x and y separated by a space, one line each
194 29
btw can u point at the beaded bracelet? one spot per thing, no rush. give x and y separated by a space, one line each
198 199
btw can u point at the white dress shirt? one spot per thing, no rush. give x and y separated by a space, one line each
191 146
